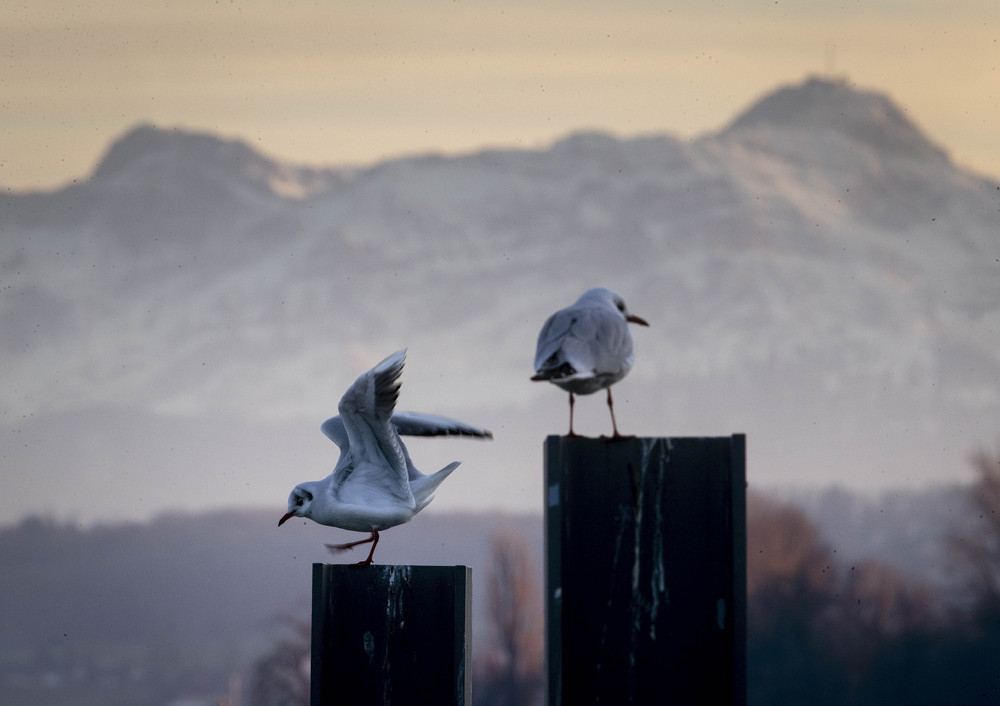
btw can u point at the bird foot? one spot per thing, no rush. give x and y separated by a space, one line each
617 437
337 548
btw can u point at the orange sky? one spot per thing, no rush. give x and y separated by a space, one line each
337 82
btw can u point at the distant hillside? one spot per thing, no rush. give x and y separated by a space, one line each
232 572
191 599
818 275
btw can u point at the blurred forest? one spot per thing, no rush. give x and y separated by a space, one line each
823 626
824 632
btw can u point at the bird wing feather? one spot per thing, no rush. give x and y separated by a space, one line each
550 339
420 424
592 341
377 456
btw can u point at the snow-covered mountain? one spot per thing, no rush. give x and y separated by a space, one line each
818 274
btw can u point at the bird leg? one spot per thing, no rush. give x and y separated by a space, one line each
611 406
368 561
334 548
572 401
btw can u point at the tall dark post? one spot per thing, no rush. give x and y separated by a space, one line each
646 570
391 634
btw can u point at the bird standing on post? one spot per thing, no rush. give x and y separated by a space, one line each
374 485
587 347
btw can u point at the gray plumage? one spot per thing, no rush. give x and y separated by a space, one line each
375 484
587 347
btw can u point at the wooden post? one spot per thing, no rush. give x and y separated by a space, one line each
391 634
646 570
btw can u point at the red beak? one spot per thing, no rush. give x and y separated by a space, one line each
636 320
284 517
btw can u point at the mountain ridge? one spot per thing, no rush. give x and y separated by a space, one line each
838 303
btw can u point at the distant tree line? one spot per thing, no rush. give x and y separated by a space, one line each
824 632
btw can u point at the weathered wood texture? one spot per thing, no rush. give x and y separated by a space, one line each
646 570
391 634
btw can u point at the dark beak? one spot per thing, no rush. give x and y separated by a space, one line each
284 517
632 318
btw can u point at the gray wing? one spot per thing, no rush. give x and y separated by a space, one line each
377 459
592 340
408 424
419 424
335 432
550 339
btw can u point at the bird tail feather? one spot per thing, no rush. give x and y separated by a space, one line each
423 487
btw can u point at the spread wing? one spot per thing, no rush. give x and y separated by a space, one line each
377 463
419 424
335 431
408 424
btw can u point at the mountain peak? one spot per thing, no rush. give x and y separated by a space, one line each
147 149
146 144
835 105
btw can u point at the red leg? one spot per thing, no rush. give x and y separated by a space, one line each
611 406
572 401
368 561
335 548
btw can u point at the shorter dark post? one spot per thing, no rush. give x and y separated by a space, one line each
390 634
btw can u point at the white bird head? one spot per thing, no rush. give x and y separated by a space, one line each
612 299
299 503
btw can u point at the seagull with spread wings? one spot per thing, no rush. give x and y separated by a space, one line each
374 485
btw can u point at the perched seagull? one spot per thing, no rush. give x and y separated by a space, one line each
374 485
587 347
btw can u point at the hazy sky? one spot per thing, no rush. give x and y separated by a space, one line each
329 82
